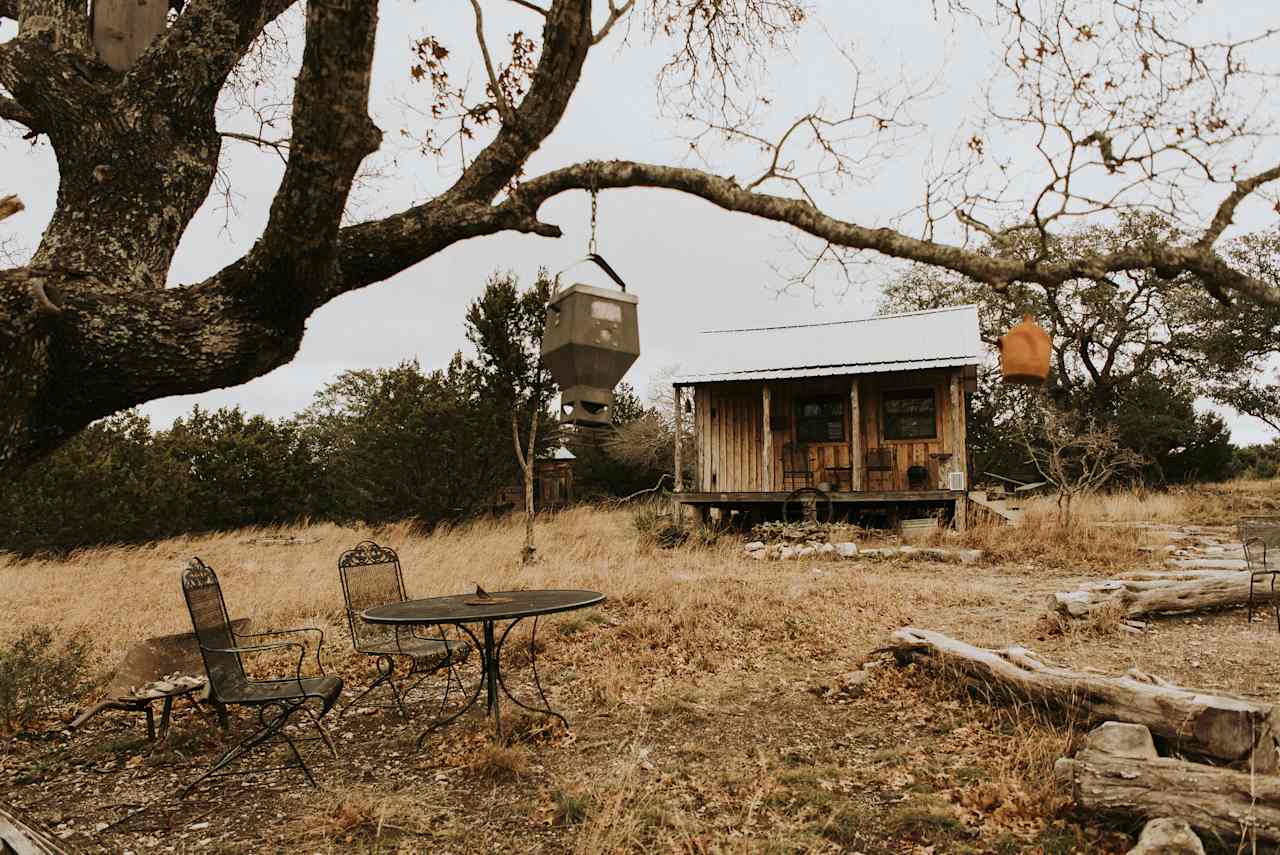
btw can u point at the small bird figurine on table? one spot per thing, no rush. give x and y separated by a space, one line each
482 594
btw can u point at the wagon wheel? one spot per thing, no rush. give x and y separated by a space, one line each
810 503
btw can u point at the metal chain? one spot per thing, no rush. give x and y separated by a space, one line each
595 201
591 244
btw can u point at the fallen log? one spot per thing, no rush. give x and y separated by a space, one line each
1225 728
1212 800
1146 597
24 836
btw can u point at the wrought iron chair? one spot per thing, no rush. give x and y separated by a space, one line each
795 466
371 576
882 462
1260 537
276 700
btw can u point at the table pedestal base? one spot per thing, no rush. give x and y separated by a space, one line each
492 682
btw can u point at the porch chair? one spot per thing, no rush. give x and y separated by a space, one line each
276 700
371 576
795 466
883 463
1260 537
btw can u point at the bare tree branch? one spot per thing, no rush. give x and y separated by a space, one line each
165 70
499 98
1168 260
615 14
566 38
531 7
332 134
14 112
1226 211
280 146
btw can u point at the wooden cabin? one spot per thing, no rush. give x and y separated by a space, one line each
552 485
870 412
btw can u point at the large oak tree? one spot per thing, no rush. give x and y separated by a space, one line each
1119 106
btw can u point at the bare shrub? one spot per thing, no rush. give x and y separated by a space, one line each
36 675
1075 455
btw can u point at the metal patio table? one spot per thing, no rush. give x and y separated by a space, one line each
462 609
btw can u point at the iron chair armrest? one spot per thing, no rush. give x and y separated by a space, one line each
259 648
422 633
301 629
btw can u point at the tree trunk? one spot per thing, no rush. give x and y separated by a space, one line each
1151 596
1222 727
526 461
1224 802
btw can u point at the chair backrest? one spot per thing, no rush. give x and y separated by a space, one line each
880 459
371 577
1260 537
212 625
1266 528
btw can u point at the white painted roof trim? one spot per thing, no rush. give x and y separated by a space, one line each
826 370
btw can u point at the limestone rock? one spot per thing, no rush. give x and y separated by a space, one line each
1122 740
1168 836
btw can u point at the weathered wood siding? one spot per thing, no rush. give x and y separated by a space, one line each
729 426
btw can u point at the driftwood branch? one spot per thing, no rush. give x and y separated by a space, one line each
1231 804
1226 728
638 493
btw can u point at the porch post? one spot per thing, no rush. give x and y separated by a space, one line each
679 473
856 458
958 451
767 434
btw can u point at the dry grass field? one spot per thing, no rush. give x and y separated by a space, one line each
707 709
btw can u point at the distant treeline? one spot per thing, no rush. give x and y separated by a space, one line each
375 446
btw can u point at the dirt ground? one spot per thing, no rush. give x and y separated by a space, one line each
710 713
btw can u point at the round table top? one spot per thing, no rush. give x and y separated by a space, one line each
454 609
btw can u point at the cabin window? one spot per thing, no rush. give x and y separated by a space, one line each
820 420
910 414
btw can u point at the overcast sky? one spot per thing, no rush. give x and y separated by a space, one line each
693 266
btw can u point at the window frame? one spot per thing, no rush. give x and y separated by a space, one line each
909 392
827 420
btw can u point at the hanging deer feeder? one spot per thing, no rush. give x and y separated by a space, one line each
124 29
590 339
1024 353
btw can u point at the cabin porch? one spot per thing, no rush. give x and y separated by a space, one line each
888 506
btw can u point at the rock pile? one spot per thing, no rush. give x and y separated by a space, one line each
758 550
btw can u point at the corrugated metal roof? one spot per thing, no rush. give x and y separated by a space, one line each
934 338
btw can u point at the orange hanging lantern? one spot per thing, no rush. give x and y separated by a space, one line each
1024 353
